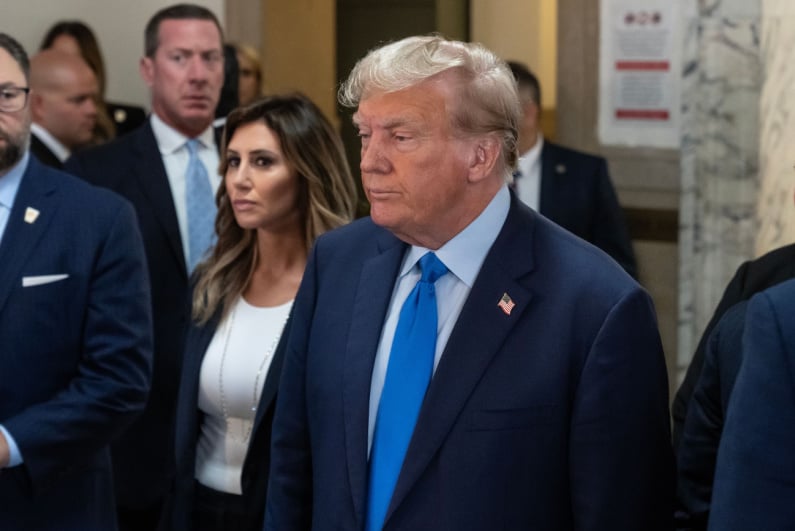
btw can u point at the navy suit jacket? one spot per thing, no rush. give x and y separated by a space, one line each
43 153
554 417
755 476
188 426
133 167
75 360
576 193
706 413
751 277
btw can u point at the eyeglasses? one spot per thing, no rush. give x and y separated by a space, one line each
13 99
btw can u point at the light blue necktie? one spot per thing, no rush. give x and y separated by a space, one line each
407 377
200 202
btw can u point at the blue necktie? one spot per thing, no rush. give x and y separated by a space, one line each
407 377
200 203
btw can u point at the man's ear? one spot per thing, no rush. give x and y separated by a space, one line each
483 158
36 101
147 69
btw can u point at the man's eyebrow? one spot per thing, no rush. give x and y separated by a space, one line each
390 123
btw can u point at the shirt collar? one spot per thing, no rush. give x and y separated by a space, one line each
60 151
169 140
9 183
464 254
528 158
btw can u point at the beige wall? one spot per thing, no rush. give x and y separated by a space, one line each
523 30
299 49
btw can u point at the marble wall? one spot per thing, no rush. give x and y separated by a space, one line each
720 154
775 208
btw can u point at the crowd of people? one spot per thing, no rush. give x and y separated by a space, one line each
197 334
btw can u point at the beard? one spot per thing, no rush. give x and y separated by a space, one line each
15 146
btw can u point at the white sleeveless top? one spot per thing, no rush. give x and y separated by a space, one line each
232 376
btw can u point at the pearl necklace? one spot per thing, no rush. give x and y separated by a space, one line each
255 394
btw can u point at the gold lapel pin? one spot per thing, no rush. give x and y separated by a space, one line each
31 215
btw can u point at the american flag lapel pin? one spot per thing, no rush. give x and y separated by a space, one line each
31 214
506 304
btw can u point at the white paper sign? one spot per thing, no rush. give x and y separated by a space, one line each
640 73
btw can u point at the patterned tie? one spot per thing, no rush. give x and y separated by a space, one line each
407 377
200 202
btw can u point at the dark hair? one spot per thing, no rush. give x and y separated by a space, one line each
86 41
17 52
229 91
327 197
526 81
175 12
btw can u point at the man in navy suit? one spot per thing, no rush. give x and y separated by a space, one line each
183 67
547 405
700 436
750 278
75 329
755 475
571 188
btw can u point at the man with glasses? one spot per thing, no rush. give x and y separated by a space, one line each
75 329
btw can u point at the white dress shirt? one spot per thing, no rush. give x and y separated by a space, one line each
60 151
175 159
528 184
463 255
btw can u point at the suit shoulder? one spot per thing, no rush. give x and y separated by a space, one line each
567 259
114 153
573 155
769 269
353 235
782 296
85 195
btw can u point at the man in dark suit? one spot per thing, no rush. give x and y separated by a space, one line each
75 329
63 104
698 449
755 474
126 118
751 277
155 168
457 361
571 188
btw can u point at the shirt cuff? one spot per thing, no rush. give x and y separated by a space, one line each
15 455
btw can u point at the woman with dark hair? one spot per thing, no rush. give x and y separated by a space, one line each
285 181
75 37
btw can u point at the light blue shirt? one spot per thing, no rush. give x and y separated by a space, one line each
463 255
9 185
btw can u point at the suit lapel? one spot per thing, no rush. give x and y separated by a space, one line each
38 191
148 168
367 318
271 384
546 201
478 334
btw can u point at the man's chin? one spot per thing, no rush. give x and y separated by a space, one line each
10 154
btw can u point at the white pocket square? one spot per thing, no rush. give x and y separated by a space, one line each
38 280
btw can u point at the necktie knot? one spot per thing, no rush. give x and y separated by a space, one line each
432 268
193 147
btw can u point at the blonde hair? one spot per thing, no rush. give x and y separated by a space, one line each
326 200
486 103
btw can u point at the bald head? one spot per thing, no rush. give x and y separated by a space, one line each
64 96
